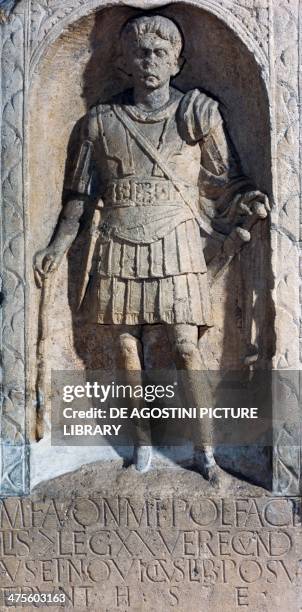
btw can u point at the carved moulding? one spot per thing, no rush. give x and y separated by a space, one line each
13 444
286 243
32 27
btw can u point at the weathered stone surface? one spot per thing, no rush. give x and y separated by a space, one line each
78 67
113 540
154 177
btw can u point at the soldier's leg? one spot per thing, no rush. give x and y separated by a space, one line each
129 358
157 359
129 354
187 357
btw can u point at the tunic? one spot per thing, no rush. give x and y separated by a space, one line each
148 264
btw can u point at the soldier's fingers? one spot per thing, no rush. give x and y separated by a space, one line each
52 267
245 209
38 278
253 195
267 204
260 210
243 234
47 263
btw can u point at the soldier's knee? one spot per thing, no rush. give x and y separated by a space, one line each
130 350
185 352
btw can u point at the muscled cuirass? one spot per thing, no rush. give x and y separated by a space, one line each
120 157
148 172
140 203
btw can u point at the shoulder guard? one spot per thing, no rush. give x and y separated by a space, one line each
198 114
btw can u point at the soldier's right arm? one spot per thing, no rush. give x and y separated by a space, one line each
77 189
48 260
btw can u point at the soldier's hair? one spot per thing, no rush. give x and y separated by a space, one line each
136 27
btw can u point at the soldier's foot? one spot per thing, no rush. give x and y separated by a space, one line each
142 458
205 463
213 475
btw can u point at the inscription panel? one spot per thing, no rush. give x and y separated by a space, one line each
147 554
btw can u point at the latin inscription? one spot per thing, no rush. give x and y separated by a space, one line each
122 551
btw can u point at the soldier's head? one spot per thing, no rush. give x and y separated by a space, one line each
151 47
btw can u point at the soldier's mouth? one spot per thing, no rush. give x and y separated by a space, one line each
150 76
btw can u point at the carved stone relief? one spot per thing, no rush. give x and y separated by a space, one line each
37 27
118 545
101 532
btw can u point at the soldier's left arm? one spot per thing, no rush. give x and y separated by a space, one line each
228 196
236 196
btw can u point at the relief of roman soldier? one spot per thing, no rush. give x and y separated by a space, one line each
152 158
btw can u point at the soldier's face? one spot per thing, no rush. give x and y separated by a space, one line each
152 61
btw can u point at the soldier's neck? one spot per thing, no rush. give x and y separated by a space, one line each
150 100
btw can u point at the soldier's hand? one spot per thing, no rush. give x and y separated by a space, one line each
252 203
46 262
236 239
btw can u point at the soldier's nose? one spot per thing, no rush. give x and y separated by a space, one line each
149 54
149 64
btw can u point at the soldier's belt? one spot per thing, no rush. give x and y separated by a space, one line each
135 192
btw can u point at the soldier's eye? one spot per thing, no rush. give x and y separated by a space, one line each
160 52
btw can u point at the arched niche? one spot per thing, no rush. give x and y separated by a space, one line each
78 68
